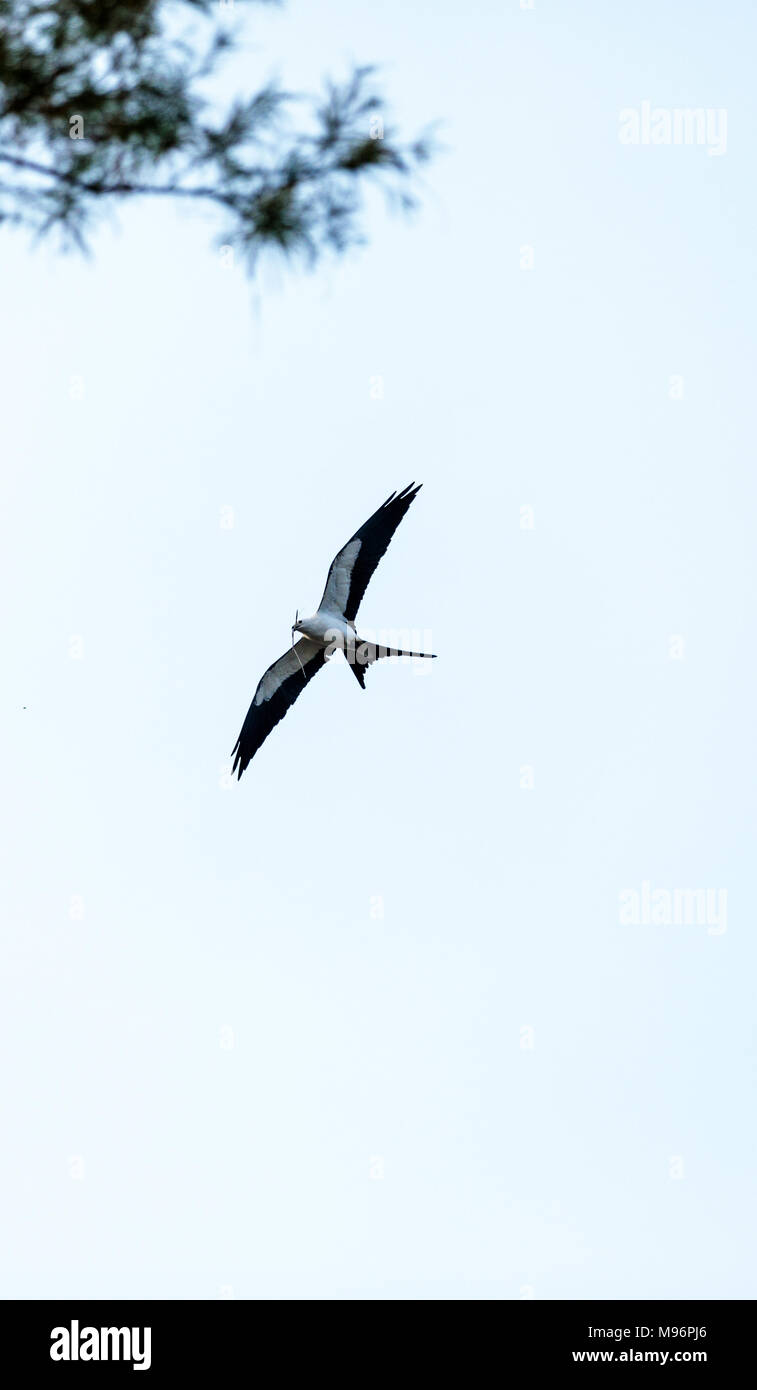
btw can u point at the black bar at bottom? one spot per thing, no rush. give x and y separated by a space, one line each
168 1339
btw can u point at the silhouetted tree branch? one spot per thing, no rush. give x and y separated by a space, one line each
104 100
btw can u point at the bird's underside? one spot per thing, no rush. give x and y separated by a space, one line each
331 628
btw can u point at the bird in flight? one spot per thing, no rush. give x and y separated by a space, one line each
331 627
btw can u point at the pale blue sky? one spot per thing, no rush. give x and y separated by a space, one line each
377 1129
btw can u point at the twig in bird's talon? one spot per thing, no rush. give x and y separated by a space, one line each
297 654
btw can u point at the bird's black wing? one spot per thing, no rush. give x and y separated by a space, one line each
277 690
352 568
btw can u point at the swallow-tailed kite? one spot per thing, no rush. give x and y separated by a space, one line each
332 627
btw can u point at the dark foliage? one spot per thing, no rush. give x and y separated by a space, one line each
103 101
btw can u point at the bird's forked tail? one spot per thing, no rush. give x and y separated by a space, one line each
363 654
